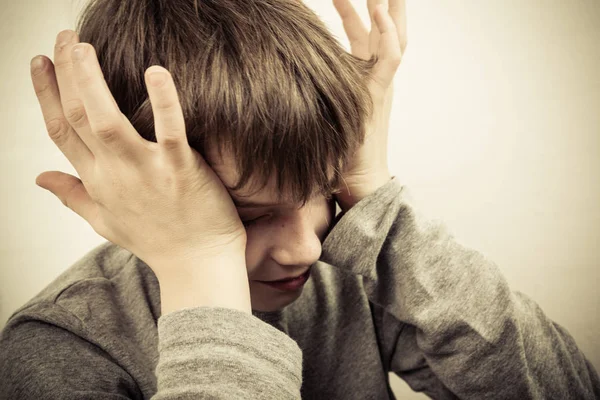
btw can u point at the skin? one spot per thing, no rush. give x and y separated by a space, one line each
368 169
283 240
124 177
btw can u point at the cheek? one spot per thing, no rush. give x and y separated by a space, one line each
262 234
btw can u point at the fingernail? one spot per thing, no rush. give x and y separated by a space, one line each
37 65
78 52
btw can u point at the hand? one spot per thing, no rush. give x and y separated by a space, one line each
368 169
161 201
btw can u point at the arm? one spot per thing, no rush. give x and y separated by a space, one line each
223 353
124 181
210 344
219 353
452 309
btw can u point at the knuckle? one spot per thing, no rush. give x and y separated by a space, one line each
43 90
171 142
166 106
76 116
57 130
107 131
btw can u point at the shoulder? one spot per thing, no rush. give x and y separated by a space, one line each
101 286
100 313
102 262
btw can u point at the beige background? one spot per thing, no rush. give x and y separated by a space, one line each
495 128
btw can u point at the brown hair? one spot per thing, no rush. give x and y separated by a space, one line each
263 79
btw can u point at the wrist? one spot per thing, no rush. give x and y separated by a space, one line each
212 281
358 189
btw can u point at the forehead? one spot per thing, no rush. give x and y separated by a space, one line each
226 171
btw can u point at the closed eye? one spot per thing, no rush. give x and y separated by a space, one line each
247 223
251 221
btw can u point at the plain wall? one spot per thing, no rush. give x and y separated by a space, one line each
495 129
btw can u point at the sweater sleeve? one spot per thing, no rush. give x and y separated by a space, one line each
215 353
455 328
221 353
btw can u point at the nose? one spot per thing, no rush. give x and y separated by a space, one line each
296 243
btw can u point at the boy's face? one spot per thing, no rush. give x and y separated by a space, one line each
283 241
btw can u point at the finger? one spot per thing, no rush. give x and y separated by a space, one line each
389 48
71 192
374 35
105 119
72 105
169 123
372 6
355 29
59 130
397 11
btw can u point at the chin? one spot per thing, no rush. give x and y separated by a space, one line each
269 302
265 309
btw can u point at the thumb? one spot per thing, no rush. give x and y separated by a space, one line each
70 191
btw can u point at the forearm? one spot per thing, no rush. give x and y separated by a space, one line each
222 353
210 344
475 333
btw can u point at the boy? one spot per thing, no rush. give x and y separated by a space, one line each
384 290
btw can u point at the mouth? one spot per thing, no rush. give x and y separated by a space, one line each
288 284
288 279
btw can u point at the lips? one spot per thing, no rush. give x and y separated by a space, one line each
289 278
290 285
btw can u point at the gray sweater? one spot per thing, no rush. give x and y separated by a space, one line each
392 292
